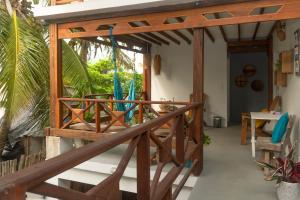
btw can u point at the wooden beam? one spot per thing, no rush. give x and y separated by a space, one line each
217 16
262 10
209 34
247 46
158 38
153 36
149 39
198 94
108 43
272 29
131 40
182 36
143 168
240 13
56 83
150 10
147 75
166 35
180 20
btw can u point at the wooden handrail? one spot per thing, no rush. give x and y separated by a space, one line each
75 114
33 178
125 101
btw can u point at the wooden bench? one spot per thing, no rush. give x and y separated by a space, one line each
269 149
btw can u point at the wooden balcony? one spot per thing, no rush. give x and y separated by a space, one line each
178 125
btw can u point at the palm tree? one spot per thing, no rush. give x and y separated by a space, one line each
24 70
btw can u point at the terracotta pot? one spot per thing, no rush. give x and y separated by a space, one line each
288 191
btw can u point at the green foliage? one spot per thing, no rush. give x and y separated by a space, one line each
24 72
102 73
207 140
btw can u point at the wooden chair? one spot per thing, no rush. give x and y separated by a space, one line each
269 149
246 122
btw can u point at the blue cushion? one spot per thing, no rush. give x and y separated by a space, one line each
280 128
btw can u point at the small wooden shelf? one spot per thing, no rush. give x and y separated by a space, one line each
287 62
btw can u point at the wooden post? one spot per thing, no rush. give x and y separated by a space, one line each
147 76
143 168
56 84
180 140
98 117
168 196
198 90
141 116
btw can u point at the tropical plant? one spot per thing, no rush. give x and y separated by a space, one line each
24 74
101 74
285 169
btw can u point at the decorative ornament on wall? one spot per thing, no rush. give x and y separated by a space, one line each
257 85
241 81
249 70
280 30
157 64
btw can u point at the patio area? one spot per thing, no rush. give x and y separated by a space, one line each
229 170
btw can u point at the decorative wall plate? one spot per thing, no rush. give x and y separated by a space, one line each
257 85
249 70
241 80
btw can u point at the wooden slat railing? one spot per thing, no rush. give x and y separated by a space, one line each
75 109
33 179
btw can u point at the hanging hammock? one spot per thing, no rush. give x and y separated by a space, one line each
118 91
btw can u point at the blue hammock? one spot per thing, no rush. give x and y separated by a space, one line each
118 91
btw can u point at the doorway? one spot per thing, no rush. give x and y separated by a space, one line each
249 80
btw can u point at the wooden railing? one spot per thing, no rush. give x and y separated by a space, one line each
102 114
33 179
110 96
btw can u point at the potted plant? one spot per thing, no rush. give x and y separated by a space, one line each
287 174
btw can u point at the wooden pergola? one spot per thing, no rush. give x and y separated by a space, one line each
195 20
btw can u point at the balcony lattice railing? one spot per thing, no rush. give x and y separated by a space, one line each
182 130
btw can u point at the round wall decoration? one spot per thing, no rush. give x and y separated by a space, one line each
257 85
241 81
249 70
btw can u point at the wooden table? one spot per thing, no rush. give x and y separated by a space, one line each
261 116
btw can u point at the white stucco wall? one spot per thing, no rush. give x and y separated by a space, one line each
176 77
290 95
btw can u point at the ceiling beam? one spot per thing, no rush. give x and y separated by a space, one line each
150 10
129 47
272 29
194 18
262 10
178 33
166 35
132 40
149 39
180 20
158 38
182 36
217 16
247 46
151 35
209 34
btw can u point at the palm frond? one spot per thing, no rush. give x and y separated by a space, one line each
25 71
75 71
4 24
